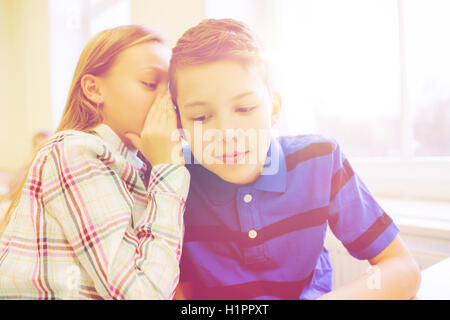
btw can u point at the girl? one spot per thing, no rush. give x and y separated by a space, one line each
88 222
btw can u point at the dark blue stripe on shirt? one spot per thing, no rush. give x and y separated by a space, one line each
286 290
308 219
370 235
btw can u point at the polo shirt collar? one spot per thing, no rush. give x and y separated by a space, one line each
115 144
273 175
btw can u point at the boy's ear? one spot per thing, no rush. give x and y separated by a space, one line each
91 88
276 107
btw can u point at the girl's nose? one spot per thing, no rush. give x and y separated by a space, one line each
162 87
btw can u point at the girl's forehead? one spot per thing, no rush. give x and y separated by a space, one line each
145 56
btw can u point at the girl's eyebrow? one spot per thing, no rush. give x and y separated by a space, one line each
154 68
153 71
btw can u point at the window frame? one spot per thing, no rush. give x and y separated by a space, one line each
426 178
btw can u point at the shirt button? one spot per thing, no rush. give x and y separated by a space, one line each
248 198
252 234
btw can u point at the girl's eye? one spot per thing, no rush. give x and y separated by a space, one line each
151 85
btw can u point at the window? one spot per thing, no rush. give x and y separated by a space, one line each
374 74
427 68
341 69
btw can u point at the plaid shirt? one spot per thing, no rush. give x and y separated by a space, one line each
87 228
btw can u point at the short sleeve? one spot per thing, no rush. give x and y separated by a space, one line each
355 217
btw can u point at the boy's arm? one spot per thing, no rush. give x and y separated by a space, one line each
184 291
394 275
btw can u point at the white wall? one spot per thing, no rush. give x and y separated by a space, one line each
24 87
4 78
171 17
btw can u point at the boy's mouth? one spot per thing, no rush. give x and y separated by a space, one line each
230 158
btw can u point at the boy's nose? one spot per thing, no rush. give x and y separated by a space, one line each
225 130
233 140
227 135
231 134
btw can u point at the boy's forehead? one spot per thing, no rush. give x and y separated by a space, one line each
210 81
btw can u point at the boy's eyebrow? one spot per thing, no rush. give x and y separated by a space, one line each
242 95
195 103
236 97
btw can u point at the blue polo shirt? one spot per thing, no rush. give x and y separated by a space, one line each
265 240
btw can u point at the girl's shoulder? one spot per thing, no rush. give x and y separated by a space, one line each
74 139
71 144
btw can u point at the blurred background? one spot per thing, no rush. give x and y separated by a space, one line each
374 74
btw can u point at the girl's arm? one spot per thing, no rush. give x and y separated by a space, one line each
127 255
394 275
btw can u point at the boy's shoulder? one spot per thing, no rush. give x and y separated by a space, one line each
307 143
306 148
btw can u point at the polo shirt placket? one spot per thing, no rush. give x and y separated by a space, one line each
249 218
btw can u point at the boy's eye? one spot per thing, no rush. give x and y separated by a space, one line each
245 109
151 85
201 118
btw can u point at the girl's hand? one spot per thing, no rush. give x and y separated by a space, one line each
160 140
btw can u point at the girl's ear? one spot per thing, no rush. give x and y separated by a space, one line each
276 107
91 88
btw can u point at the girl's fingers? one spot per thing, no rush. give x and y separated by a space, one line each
167 108
159 139
155 113
161 113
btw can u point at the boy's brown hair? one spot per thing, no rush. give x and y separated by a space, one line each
213 40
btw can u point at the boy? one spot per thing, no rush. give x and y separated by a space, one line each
259 206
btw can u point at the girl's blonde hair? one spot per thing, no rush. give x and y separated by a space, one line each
97 58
